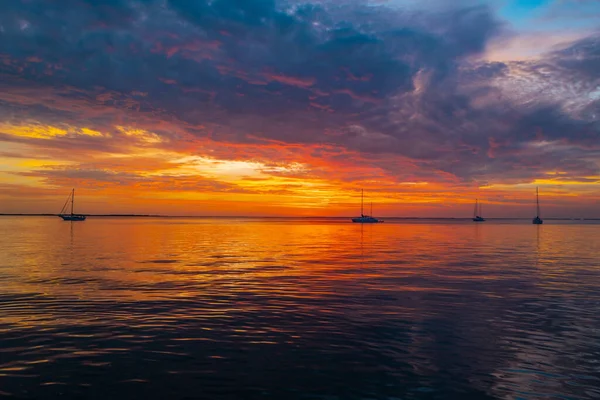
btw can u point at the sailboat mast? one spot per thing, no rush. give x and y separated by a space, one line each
72 199
371 214
476 207
362 197
537 200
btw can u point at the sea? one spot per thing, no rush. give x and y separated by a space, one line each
242 308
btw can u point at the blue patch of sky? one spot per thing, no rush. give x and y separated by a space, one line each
551 15
521 12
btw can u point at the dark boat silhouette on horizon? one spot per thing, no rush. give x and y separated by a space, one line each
477 214
72 216
365 219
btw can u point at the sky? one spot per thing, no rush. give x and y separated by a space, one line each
290 108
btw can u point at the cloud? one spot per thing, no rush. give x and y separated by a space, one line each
296 48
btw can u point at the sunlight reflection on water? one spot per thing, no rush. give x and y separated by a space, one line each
175 308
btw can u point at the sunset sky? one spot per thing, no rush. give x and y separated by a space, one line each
289 108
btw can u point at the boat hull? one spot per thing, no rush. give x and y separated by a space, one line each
366 220
537 221
478 219
73 217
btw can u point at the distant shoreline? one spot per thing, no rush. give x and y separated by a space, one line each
89 215
271 217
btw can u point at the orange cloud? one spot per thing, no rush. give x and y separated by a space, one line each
292 80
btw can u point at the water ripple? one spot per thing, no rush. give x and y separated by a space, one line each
256 309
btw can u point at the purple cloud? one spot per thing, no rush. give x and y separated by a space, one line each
373 79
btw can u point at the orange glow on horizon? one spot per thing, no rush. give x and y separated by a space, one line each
133 170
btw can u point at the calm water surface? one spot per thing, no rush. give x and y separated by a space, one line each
250 309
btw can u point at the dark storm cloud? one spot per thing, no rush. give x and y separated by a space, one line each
226 49
582 58
370 78
464 124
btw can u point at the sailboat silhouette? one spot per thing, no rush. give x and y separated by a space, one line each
71 216
477 212
365 219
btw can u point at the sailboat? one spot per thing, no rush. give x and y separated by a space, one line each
71 216
537 220
365 219
477 213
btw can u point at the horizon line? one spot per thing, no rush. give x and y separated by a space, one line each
273 217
